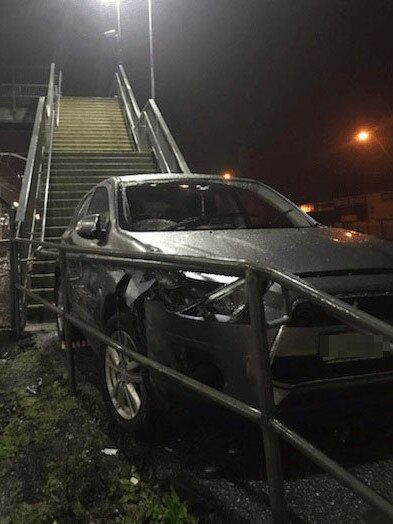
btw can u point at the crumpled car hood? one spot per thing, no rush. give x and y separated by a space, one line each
299 251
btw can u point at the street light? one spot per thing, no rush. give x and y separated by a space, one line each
363 136
227 175
116 33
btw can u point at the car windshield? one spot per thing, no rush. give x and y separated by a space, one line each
191 205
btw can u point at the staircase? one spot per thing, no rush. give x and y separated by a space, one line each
91 144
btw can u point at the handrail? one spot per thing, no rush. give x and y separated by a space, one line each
256 275
150 109
157 149
48 169
128 109
331 304
149 128
51 91
134 104
30 165
59 87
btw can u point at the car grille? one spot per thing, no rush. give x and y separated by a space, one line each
306 314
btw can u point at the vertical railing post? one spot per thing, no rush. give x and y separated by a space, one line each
14 271
66 324
266 399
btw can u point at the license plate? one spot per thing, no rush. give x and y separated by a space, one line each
350 346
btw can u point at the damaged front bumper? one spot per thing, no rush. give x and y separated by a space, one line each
220 354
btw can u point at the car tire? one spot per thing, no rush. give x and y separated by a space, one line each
125 384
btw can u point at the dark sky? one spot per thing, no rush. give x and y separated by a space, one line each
272 90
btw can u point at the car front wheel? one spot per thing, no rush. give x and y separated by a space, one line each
125 382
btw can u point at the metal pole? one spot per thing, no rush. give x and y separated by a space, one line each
66 325
152 74
266 400
118 37
16 320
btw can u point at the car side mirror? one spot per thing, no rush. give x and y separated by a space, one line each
90 227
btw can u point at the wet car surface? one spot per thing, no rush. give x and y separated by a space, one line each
198 322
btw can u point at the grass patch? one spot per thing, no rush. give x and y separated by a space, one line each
52 444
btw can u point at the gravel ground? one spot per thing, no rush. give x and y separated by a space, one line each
215 461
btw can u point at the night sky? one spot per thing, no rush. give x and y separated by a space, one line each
272 90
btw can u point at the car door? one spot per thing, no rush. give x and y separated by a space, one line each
86 275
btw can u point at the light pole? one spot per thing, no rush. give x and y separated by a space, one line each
116 33
118 39
152 73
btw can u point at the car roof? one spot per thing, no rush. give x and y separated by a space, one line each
152 177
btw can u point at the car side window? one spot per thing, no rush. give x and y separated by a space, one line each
81 210
99 204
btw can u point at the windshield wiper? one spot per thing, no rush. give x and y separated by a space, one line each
188 222
205 219
283 213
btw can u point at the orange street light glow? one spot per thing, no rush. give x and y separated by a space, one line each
363 136
307 208
227 176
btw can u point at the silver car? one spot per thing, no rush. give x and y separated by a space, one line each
198 322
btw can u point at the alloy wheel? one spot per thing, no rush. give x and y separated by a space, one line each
123 377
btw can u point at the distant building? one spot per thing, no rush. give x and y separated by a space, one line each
371 213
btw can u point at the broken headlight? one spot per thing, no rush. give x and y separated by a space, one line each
226 303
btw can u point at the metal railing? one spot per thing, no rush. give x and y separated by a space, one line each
31 173
59 88
149 129
53 100
19 87
22 90
256 279
40 143
33 199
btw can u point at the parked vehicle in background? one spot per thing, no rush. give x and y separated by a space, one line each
198 322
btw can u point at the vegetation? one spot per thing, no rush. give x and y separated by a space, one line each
52 469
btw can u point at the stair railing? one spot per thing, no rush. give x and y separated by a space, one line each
149 128
27 204
31 207
59 88
47 178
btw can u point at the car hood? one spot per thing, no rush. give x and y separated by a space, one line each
305 251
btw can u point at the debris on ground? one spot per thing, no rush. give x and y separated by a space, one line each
52 464
109 451
35 388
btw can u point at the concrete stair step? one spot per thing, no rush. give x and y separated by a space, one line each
59 163
59 221
43 280
102 170
59 167
56 230
89 156
62 203
91 148
91 131
46 293
94 140
42 267
38 313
